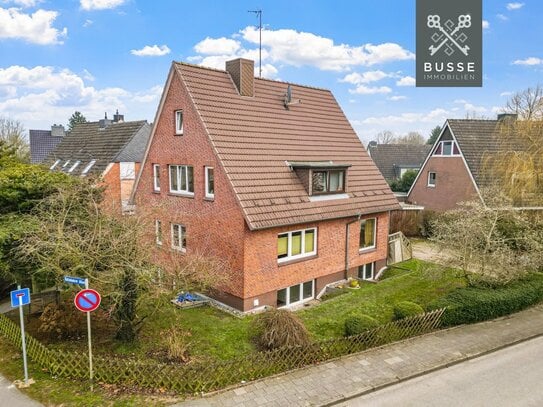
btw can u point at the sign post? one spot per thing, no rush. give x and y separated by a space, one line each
21 297
86 300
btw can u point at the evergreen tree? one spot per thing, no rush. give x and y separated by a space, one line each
76 118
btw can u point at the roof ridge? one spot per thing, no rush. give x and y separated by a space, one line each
256 78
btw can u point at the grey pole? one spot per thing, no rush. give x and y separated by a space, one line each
90 341
23 337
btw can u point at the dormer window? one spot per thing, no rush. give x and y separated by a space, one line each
328 182
321 178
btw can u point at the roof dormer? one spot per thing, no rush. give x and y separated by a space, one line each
321 177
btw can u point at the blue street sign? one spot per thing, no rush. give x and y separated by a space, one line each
20 297
74 280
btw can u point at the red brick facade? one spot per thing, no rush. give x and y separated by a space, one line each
217 227
453 184
116 190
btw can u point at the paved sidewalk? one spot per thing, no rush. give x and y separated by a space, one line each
354 375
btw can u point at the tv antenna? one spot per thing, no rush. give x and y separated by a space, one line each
259 15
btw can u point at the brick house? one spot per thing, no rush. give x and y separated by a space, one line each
452 172
268 175
393 160
110 150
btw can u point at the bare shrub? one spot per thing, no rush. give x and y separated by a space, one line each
278 328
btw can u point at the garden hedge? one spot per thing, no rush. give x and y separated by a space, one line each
472 304
356 324
405 309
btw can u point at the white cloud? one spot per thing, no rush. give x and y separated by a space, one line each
469 107
88 23
151 51
100 4
368 90
43 95
23 3
397 98
35 28
506 94
502 17
366 77
217 46
531 61
296 48
406 81
486 25
88 76
514 6
436 115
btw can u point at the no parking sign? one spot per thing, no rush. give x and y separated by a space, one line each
87 300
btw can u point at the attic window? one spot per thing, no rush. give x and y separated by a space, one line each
328 181
88 167
73 167
179 122
447 149
57 162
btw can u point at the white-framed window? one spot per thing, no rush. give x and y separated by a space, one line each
156 177
327 182
74 166
57 162
447 149
158 232
210 182
178 237
432 176
127 170
181 179
296 294
366 271
88 167
66 164
296 244
179 122
368 231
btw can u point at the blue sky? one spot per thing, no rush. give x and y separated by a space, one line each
100 55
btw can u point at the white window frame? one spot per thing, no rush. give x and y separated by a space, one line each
435 179
156 177
301 300
66 164
363 276
158 232
127 170
54 165
179 248
178 115
363 249
88 167
441 147
179 174
74 166
289 245
209 195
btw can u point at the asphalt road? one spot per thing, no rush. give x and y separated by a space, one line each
509 377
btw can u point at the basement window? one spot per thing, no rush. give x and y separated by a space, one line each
366 271
296 294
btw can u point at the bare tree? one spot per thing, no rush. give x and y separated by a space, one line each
385 137
528 103
412 137
13 138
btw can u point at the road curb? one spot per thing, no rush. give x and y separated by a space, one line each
431 370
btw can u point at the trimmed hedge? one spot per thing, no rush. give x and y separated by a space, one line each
357 324
405 309
472 304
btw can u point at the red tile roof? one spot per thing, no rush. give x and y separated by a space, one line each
255 136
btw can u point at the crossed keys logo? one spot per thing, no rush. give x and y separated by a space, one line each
445 36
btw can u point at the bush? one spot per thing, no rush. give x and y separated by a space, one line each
357 324
62 321
176 343
427 223
405 309
278 328
474 304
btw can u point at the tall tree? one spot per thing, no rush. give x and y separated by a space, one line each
76 118
412 137
434 134
385 137
528 103
13 139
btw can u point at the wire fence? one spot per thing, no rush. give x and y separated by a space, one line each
196 377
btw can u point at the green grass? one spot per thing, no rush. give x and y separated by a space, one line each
425 283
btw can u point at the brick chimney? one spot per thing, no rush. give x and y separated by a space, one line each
242 72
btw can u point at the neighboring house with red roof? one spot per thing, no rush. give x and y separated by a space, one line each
267 175
110 150
453 171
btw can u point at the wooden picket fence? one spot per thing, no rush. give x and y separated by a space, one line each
196 377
